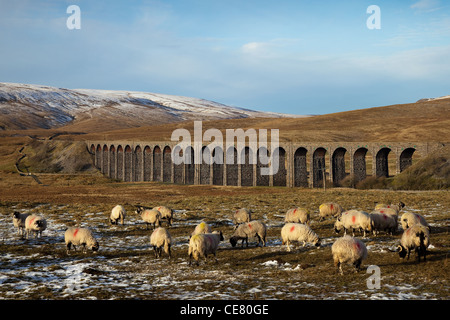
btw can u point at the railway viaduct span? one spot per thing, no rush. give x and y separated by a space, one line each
301 164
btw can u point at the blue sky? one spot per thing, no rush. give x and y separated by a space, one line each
299 57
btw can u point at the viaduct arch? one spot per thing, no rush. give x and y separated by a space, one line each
300 164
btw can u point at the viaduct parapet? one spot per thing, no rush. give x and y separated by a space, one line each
301 164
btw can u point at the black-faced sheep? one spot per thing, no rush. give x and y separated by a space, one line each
383 222
253 228
298 232
409 219
150 216
35 224
397 207
19 222
415 238
161 238
203 244
166 214
297 215
329 209
80 237
348 250
354 220
117 213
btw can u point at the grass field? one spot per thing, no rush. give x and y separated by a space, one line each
125 267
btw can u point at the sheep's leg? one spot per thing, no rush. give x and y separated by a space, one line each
68 245
288 246
170 252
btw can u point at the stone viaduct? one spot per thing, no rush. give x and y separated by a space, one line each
300 164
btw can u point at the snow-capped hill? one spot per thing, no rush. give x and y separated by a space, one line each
25 106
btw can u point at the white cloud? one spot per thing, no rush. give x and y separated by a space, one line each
426 5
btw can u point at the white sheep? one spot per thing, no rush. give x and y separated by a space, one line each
297 215
408 219
150 216
416 237
397 207
117 213
348 250
161 238
166 213
202 227
242 215
19 222
75 236
253 228
354 220
35 224
383 222
203 244
329 209
298 232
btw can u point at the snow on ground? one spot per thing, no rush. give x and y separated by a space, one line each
41 268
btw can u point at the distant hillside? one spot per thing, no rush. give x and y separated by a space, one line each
24 106
421 121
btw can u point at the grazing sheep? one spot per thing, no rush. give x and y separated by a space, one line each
329 209
298 232
253 228
348 250
19 222
354 220
200 245
117 213
80 236
35 224
297 215
161 238
150 216
408 219
383 222
166 213
202 227
416 237
396 207
242 215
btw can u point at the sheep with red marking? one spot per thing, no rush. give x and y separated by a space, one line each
382 221
397 207
242 215
354 220
348 250
75 236
161 238
19 222
252 229
416 237
298 232
203 244
329 209
35 224
297 215
166 214
150 216
409 219
117 213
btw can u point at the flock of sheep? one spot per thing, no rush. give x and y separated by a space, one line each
203 241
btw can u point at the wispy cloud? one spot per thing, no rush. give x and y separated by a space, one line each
426 5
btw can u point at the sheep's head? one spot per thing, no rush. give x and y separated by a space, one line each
39 224
95 246
16 214
401 251
233 241
318 242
